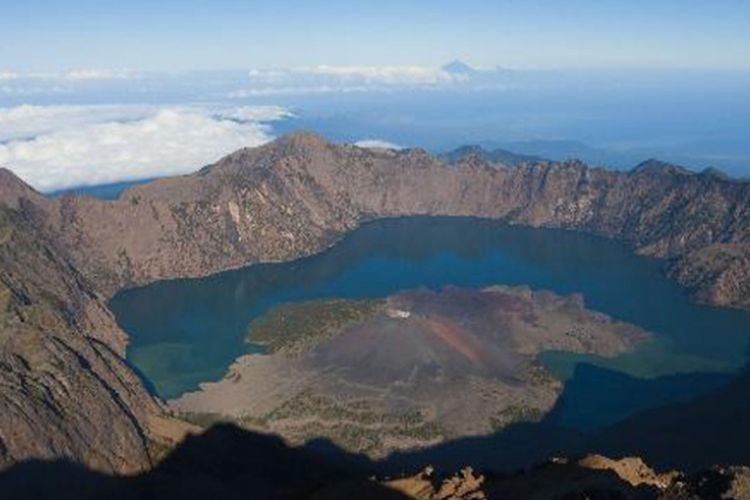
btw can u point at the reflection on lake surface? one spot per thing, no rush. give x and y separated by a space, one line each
187 331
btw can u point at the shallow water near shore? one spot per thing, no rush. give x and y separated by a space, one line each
188 331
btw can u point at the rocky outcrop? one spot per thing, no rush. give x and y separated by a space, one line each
423 486
592 476
66 389
718 273
632 470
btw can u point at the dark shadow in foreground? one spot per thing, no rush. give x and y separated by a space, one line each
710 429
228 462
691 433
225 462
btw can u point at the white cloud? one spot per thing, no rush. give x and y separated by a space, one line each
327 78
75 75
166 141
389 75
51 83
295 90
100 74
376 144
26 121
235 84
255 113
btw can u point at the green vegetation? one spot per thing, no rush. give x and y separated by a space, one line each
513 414
357 425
327 408
293 329
535 374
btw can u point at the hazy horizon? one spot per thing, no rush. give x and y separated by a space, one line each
48 35
94 93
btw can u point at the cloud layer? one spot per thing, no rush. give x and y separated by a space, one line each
26 121
86 145
377 144
236 83
76 75
328 78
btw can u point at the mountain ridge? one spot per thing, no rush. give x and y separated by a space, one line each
555 194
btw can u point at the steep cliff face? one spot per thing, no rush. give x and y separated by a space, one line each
294 196
718 273
65 390
252 206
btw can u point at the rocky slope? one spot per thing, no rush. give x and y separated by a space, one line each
717 273
66 390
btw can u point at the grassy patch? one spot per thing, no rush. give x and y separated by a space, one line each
293 329
356 425
514 414
535 374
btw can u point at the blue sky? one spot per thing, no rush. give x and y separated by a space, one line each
54 35
101 91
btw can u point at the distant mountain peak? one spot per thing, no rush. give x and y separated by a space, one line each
496 156
470 149
654 166
458 68
716 173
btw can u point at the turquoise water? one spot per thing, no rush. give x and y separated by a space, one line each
187 331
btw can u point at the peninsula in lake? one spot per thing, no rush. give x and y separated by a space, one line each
409 371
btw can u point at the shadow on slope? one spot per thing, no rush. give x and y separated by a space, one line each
228 462
225 462
711 429
580 423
